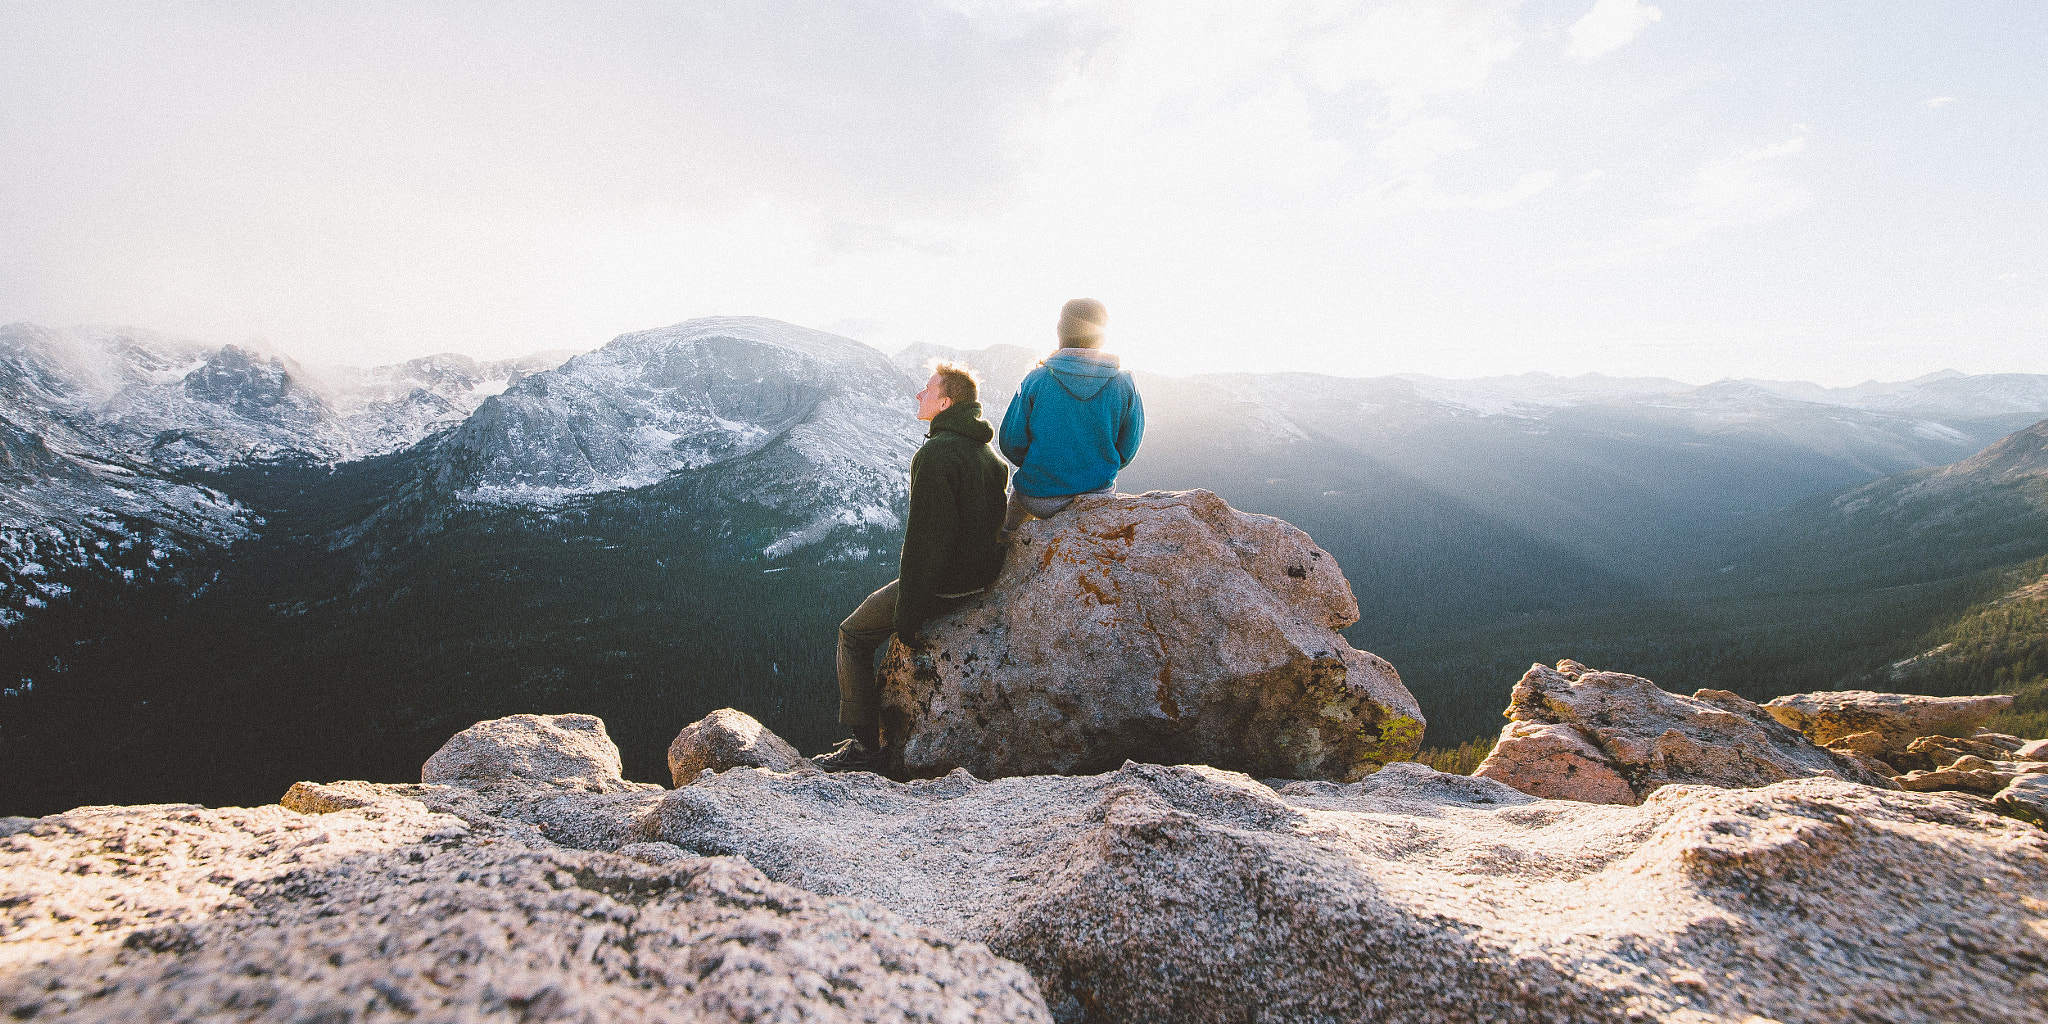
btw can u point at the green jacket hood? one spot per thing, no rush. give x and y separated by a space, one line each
1083 372
963 418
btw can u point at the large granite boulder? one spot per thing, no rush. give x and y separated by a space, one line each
1164 627
727 739
1635 738
386 911
1194 895
568 750
1886 723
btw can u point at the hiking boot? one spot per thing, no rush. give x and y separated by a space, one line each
848 756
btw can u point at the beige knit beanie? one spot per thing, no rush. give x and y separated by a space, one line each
1081 323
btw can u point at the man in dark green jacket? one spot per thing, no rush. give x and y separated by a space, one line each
950 551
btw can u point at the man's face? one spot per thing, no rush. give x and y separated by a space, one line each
932 400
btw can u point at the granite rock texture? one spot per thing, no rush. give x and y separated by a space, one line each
1148 893
728 739
1648 739
2026 798
1970 773
388 911
1553 761
1164 627
1155 893
1897 718
571 750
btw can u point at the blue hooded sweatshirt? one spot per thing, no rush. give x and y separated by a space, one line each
1075 422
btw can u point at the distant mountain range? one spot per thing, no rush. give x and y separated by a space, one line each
794 424
677 520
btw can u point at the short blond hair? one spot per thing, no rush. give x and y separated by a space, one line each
958 382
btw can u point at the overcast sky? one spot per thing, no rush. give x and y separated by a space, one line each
1817 190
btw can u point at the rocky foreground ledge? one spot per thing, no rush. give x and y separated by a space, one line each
525 880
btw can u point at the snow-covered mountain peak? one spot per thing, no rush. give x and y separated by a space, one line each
653 404
137 396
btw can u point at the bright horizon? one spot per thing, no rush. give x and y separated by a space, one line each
1459 189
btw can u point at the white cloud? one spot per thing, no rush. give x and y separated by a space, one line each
1428 196
1609 26
1420 141
1726 192
1938 102
1414 49
1288 104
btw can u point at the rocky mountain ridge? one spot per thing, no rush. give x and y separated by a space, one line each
105 434
176 403
797 436
811 429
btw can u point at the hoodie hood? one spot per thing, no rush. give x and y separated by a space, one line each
1083 372
963 418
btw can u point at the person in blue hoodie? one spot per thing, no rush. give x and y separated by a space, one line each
1075 423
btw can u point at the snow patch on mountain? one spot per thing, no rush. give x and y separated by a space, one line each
810 426
127 394
98 427
64 516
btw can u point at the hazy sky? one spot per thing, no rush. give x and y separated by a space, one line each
1819 190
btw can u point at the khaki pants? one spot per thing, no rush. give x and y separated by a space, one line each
860 636
1024 506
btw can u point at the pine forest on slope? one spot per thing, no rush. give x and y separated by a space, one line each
676 522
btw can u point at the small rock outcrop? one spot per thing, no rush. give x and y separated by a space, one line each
388 911
1555 761
1930 752
728 739
565 750
1163 627
1971 774
1882 724
2026 799
1610 737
